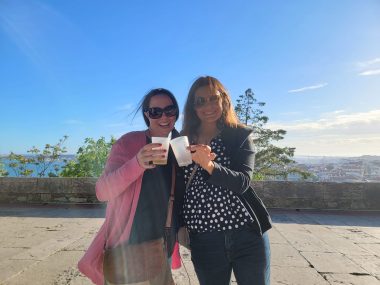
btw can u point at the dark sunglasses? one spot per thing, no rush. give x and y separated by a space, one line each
201 101
156 112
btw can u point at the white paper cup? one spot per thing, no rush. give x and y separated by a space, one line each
165 145
182 154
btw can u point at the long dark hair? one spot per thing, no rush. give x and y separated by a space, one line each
144 103
191 121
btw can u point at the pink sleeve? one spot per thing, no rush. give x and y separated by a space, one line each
122 169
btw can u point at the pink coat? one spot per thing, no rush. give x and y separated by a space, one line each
120 186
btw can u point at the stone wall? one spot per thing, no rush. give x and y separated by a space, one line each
47 190
319 195
295 195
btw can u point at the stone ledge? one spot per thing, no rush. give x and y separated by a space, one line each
47 190
275 194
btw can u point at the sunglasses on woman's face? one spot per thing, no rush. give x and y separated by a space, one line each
156 112
202 101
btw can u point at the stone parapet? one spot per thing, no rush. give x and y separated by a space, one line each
47 190
319 195
275 194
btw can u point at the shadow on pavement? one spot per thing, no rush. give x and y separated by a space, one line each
326 217
53 210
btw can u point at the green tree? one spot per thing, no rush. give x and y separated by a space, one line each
271 161
3 172
45 162
90 159
19 164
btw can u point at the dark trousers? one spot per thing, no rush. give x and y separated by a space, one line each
244 251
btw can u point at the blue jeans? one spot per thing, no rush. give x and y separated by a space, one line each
244 251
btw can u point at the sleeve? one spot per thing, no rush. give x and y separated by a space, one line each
238 177
118 174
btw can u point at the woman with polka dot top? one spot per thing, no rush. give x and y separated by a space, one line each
227 222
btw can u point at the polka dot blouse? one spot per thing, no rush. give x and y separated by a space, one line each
208 207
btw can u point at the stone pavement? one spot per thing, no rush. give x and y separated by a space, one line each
42 244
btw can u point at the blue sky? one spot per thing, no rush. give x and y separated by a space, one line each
78 68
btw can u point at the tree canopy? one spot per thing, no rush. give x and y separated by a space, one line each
271 161
90 159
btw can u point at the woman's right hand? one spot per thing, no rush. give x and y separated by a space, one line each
202 155
147 153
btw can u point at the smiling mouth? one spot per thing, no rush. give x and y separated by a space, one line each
164 124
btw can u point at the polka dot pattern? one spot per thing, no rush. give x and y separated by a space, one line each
208 207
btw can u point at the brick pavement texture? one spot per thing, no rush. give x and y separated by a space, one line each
42 244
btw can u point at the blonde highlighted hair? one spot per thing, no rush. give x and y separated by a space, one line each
191 121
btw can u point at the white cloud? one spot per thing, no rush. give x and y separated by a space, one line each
370 72
335 133
369 67
366 64
317 86
338 111
334 146
334 120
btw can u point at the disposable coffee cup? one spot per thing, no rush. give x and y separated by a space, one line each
164 141
182 154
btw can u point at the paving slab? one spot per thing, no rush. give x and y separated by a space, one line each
372 231
371 263
358 236
371 247
45 249
10 268
336 241
276 238
80 244
339 279
332 262
8 252
296 276
285 254
302 239
50 270
42 244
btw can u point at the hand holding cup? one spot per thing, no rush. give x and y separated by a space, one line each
148 153
164 142
201 154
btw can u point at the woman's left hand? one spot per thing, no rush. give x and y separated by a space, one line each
201 154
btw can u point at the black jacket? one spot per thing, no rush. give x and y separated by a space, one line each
237 178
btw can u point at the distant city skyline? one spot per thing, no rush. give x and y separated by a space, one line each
80 68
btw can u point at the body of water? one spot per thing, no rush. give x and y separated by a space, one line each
36 168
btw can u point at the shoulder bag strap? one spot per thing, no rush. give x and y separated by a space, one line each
191 177
171 199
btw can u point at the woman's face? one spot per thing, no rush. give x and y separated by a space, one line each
161 127
208 105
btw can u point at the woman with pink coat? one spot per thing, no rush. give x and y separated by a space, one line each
135 189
